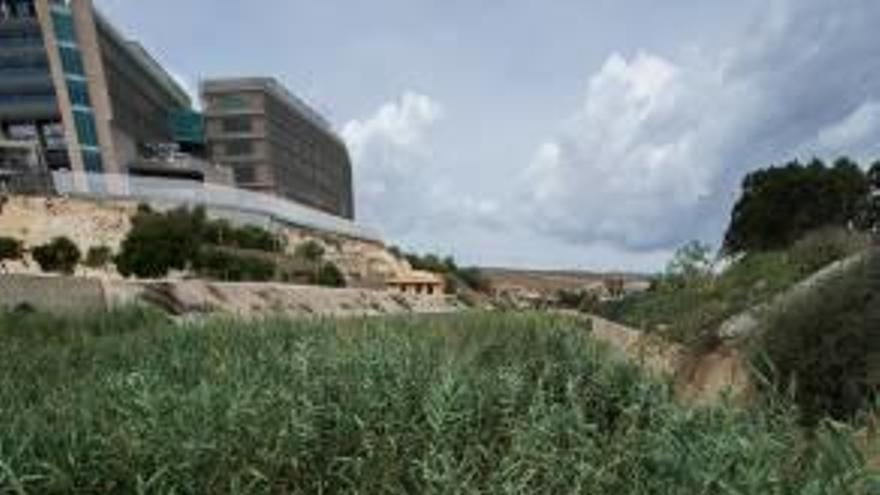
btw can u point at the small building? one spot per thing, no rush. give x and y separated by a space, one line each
418 283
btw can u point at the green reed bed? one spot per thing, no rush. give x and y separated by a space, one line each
132 403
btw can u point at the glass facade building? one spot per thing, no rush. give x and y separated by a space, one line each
88 98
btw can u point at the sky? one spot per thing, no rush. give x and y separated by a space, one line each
581 134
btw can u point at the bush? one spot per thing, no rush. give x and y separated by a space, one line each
329 275
98 257
10 249
59 256
820 248
229 266
160 242
822 343
310 251
222 233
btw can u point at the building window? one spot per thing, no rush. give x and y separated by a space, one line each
245 174
92 161
86 129
237 124
79 93
239 148
231 102
64 29
72 61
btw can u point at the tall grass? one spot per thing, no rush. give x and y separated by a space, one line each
462 404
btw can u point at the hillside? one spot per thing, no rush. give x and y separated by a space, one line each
37 220
549 282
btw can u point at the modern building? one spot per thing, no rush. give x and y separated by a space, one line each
276 144
89 99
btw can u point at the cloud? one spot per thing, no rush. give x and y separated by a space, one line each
391 152
654 154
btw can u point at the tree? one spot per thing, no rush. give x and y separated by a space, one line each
692 264
10 249
779 205
160 242
59 256
872 214
329 275
310 251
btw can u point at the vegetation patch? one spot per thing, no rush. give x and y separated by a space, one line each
10 249
58 256
822 345
131 403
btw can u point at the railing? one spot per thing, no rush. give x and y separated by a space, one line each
192 193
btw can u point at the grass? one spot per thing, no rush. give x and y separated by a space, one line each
132 403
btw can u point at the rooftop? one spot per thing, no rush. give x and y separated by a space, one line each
273 87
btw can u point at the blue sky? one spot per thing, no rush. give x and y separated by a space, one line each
582 134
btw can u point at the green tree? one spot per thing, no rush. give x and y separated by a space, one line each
59 256
310 251
779 205
329 275
160 242
10 249
691 265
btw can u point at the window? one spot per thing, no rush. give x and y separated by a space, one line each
72 61
79 93
92 161
239 148
245 174
231 102
237 124
86 129
64 29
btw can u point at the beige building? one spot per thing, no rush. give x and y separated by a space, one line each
276 144
419 283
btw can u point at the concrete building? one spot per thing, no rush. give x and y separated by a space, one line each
88 98
419 283
276 144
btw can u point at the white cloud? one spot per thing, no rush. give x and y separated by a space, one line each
654 154
391 153
858 130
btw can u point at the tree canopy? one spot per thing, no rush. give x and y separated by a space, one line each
779 205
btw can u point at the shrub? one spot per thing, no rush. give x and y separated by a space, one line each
310 250
10 249
473 278
160 242
98 256
229 266
222 233
329 275
820 248
59 256
822 343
